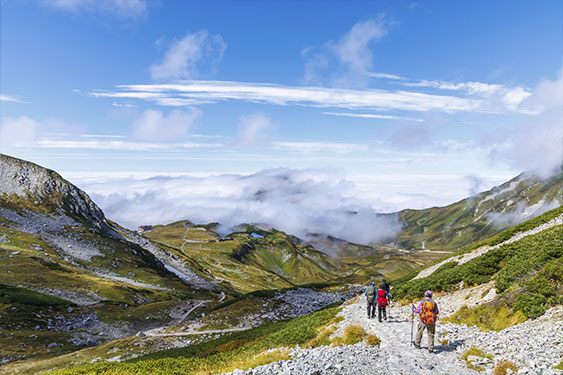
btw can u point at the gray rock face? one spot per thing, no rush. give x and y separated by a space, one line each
30 181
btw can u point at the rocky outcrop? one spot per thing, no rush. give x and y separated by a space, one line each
37 185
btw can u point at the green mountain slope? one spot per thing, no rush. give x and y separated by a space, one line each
483 215
250 259
68 273
525 265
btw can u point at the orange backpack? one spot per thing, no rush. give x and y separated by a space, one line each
428 312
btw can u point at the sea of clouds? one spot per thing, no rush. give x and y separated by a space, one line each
297 201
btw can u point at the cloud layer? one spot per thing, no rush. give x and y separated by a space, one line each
295 201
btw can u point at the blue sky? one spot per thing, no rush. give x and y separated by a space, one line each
412 103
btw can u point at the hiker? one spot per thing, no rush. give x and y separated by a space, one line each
370 294
383 298
428 312
387 288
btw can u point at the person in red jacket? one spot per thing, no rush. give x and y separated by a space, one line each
382 302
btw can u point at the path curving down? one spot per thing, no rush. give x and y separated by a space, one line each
535 346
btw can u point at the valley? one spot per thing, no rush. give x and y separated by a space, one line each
82 294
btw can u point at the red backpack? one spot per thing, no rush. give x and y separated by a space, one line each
382 298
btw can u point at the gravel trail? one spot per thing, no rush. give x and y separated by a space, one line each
535 346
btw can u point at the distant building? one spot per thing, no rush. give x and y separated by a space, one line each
143 228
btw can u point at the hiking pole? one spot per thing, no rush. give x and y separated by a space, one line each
412 324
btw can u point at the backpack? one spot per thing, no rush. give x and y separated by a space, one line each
428 314
370 293
382 297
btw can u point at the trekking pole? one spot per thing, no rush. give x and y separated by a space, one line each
412 324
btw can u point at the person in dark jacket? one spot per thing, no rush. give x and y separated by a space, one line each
371 293
386 286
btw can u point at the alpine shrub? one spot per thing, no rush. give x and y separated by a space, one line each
531 304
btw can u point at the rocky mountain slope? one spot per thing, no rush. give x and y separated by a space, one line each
482 215
70 277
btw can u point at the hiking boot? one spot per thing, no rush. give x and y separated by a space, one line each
385 317
416 346
431 351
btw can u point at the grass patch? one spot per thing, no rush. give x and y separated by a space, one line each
487 317
372 340
502 367
474 352
13 294
353 334
559 366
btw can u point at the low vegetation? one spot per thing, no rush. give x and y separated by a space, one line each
353 334
529 271
488 317
241 350
502 367
474 352
373 340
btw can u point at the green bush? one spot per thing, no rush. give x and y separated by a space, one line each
540 254
531 304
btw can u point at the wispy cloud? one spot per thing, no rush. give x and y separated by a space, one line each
186 57
509 97
154 125
254 130
18 131
372 115
126 9
310 147
121 145
190 92
386 76
346 61
12 99
535 142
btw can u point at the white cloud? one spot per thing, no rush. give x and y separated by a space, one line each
295 201
386 76
11 99
124 105
254 130
120 8
15 132
353 49
154 125
368 99
372 115
536 142
345 62
503 97
187 57
121 145
310 147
